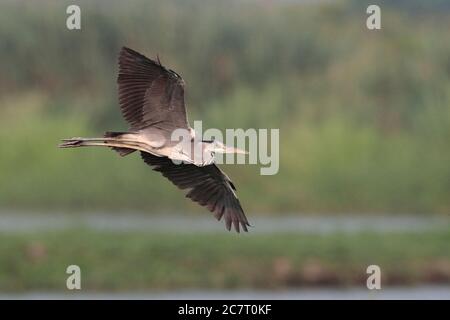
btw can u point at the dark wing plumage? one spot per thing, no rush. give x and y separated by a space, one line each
208 185
150 94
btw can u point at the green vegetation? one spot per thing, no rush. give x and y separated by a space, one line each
364 119
364 116
139 261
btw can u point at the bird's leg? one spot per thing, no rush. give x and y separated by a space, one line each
98 139
103 142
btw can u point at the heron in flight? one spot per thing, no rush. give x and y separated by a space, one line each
151 99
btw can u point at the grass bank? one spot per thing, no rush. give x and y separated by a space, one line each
138 261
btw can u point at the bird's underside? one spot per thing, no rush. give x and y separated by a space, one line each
151 99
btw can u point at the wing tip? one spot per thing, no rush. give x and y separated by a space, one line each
130 57
125 51
234 218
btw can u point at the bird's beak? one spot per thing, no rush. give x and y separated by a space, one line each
234 150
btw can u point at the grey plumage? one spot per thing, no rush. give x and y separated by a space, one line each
151 98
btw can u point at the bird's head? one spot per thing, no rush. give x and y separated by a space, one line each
221 148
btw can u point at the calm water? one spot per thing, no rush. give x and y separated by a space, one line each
31 222
23 222
413 293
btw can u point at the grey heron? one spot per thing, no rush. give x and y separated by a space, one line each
151 98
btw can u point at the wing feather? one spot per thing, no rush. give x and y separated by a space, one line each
149 93
208 186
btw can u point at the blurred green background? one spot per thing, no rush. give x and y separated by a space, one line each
364 119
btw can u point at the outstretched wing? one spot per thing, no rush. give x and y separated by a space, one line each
208 185
149 94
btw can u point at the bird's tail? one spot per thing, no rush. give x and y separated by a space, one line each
122 151
115 140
